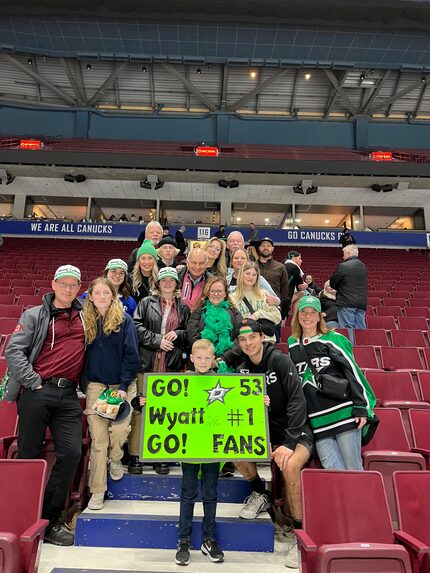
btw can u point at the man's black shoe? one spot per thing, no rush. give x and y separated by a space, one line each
183 553
161 469
59 535
212 550
134 465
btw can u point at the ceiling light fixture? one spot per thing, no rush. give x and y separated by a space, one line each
253 74
308 76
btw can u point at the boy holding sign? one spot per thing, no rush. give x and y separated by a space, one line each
202 356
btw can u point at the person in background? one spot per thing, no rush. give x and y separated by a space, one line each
141 220
112 361
167 252
45 357
221 233
338 436
133 218
250 300
252 253
215 250
328 305
313 288
145 271
296 283
153 233
346 238
254 235
181 241
116 272
216 319
290 436
350 282
202 356
161 321
123 218
235 241
194 277
275 273
166 232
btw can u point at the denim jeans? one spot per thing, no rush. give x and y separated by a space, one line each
341 452
189 491
351 318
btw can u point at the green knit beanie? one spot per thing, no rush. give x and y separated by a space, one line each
147 248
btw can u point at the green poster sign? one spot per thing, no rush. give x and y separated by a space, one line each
193 418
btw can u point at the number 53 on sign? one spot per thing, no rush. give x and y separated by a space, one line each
204 418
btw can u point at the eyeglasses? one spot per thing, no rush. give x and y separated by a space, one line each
67 286
217 292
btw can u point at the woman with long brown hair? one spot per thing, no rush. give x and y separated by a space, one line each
111 362
215 250
145 271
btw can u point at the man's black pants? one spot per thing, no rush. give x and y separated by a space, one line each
60 410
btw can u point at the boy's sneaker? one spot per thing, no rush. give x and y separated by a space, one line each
292 560
96 501
183 553
116 470
211 549
254 504
59 535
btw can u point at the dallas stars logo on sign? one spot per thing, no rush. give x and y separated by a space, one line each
193 418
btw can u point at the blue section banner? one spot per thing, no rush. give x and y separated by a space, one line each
130 232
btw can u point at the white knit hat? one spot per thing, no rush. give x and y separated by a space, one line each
117 264
168 272
67 271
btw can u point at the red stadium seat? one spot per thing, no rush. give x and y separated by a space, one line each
283 346
413 507
385 322
420 426
21 282
285 333
365 357
7 310
43 290
373 337
390 451
20 513
412 323
333 539
394 389
401 358
7 299
19 290
7 325
417 311
402 338
388 311
5 282
373 301
343 331
424 384
394 301
426 352
419 301
27 300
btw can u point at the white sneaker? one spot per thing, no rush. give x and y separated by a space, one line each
253 505
96 501
116 470
292 560
284 537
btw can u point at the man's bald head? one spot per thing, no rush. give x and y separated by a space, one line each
196 262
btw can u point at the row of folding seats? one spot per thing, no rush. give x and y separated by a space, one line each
411 331
397 311
390 358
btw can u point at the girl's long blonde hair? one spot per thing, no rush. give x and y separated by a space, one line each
220 263
136 277
256 289
112 320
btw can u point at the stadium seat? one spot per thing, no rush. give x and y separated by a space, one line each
373 301
43 290
4 290
333 538
420 426
385 322
371 336
343 331
27 300
394 301
283 346
394 389
11 311
5 282
7 299
365 357
417 311
20 514
426 352
390 451
21 283
7 325
419 301
424 385
405 338
413 507
412 323
401 358
285 333
394 311
20 290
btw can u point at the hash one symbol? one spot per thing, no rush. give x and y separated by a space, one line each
234 418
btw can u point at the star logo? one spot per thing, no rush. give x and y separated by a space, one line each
217 393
